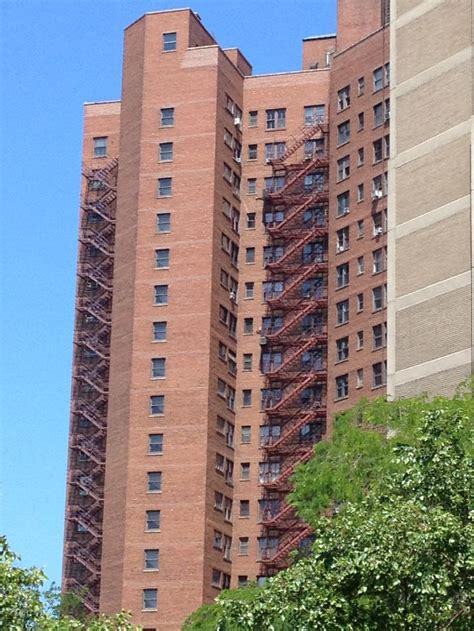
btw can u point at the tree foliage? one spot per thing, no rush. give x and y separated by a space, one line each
397 554
24 606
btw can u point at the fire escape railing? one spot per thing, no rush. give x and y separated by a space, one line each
83 539
297 298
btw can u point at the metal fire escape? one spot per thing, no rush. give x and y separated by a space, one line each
294 335
83 539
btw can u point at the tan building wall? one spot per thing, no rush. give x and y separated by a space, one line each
430 283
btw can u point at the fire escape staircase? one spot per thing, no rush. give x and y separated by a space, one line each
305 133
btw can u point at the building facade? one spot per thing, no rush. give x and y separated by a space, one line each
232 293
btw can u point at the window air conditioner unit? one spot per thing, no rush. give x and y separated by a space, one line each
387 116
345 211
238 159
379 232
268 161
340 248
376 194
238 121
233 296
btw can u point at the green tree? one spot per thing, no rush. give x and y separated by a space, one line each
397 553
24 606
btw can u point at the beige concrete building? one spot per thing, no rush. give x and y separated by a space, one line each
430 244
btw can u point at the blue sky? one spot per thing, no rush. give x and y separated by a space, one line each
56 55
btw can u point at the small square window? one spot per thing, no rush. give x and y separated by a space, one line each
247 363
159 331
245 470
246 398
163 222
165 186
154 481
157 404
251 222
162 258
248 326
153 519
100 147
243 581
167 116
245 434
250 255
166 151
244 508
161 294
155 443
253 118
158 368
253 152
150 599
152 559
169 41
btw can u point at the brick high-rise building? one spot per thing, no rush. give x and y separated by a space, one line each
231 298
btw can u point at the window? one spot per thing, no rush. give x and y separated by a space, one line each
154 481
165 186
276 119
377 298
169 41
250 221
227 549
216 578
247 363
158 368
360 340
227 509
253 118
360 265
166 151
377 224
245 470
251 186
379 257
162 258
244 508
100 147
163 222
342 349
387 73
221 387
342 236
343 204
248 326
225 581
378 337
314 114
218 501
361 121
360 302
150 599
342 311
360 378
378 114
342 387
378 374
378 150
159 331
274 150
222 352
343 168
360 193
227 172
245 434
167 116
243 547
250 255
344 98
155 443
243 581
228 138
342 275
157 404
153 519
360 229
386 153
218 538
360 86
378 77
230 398
252 152
246 398
343 133
360 156
152 559
161 294
219 464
